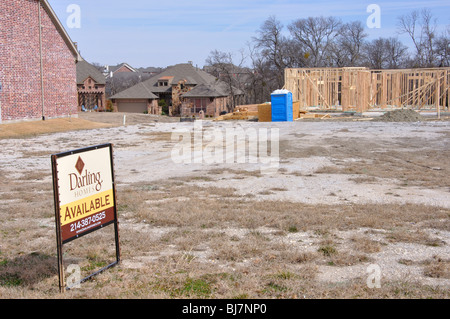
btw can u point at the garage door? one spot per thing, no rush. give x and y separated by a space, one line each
132 107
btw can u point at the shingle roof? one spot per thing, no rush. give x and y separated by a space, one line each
205 83
138 91
85 70
217 89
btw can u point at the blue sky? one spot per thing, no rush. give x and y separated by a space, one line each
161 33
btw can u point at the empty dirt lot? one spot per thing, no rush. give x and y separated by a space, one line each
347 196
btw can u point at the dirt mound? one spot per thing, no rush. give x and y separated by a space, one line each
401 116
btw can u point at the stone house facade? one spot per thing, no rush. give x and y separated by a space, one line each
91 84
185 90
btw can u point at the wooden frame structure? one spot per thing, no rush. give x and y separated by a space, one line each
360 89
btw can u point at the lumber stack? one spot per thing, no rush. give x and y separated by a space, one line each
247 107
242 112
265 112
307 115
296 109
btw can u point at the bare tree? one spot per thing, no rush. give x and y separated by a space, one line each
385 53
421 28
263 78
396 53
375 54
222 65
271 44
317 35
442 49
347 49
98 66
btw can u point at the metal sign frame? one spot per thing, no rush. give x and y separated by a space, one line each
60 241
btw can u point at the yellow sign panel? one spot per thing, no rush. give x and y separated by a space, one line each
82 208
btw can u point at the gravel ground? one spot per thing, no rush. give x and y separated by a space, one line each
143 153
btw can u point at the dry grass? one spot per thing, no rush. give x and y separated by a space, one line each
414 236
215 232
183 240
29 129
412 161
366 245
192 242
437 268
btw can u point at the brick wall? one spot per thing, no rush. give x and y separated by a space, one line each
20 73
123 68
211 107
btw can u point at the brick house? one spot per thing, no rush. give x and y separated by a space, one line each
185 89
91 85
111 70
37 63
211 99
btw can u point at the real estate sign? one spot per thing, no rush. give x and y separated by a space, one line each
84 192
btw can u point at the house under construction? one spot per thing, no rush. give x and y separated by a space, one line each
361 89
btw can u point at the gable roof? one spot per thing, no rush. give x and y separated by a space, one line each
138 91
115 68
218 89
185 72
182 72
72 47
85 70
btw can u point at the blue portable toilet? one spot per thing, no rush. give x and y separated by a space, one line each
282 106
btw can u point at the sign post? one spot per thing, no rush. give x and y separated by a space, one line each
85 198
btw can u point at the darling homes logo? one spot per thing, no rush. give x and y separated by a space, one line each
87 183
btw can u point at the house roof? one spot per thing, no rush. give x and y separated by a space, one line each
72 47
138 91
85 70
205 83
166 78
217 89
114 68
